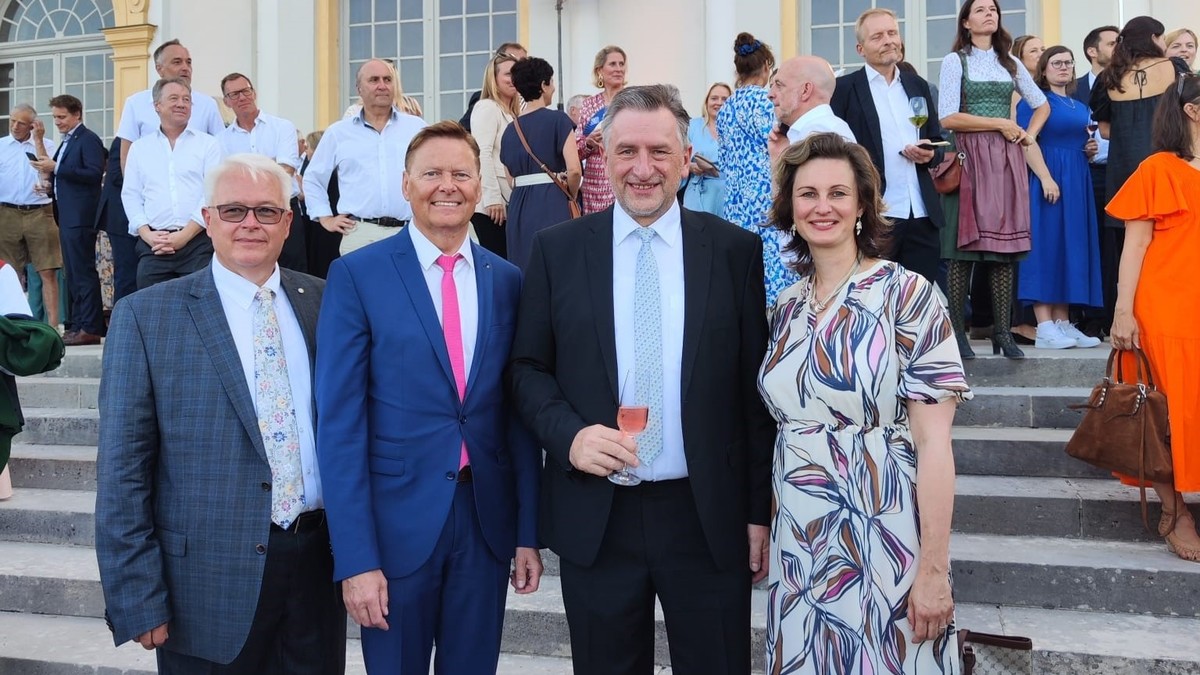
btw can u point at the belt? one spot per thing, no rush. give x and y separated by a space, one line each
165 229
305 522
465 475
23 207
532 179
382 221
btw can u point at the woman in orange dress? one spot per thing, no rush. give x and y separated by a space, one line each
1157 297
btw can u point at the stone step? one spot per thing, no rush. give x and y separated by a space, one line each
60 426
57 467
1013 451
83 361
1075 508
1081 574
1022 407
46 516
1039 368
58 392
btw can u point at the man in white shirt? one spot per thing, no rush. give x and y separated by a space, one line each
139 115
367 151
801 92
256 132
28 233
874 102
164 189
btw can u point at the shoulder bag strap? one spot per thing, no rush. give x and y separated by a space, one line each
562 185
962 83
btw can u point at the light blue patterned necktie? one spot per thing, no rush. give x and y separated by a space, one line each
647 345
276 412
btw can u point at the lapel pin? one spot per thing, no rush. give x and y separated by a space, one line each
299 290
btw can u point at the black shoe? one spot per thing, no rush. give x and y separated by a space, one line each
964 347
1004 343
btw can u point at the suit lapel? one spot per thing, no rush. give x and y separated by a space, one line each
866 104
599 261
305 305
484 287
409 268
204 304
697 269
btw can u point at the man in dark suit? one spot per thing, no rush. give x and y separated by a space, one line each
431 480
874 102
210 531
77 167
647 303
110 217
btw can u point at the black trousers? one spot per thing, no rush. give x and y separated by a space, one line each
294 255
78 245
152 269
300 623
916 246
125 263
654 546
491 236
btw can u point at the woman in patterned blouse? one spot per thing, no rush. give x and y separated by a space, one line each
608 73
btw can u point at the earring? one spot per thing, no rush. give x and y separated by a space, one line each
858 226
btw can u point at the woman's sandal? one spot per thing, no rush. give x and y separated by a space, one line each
1166 529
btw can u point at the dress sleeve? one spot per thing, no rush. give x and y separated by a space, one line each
950 86
1100 104
1028 89
1151 193
930 368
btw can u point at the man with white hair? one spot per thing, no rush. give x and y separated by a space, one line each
210 525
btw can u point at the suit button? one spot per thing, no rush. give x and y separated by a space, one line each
260 548
462 420
450 475
266 487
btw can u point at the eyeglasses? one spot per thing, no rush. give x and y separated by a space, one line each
236 213
1180 82
240 93
1061 64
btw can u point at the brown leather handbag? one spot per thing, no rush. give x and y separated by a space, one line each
1124 427
572 205
947 175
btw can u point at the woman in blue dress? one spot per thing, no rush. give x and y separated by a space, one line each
705 184
742 128
1063 266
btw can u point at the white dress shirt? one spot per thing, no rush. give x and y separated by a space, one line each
668 254
237 299
272 137
817 120
982 66
464 283
1102 155
164 186
903 194
139 118
369 163
19 176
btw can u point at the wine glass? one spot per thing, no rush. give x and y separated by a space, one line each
632 416
920 111
1092 127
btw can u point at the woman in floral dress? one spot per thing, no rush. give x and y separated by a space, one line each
863 375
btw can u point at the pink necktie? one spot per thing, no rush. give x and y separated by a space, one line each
452 330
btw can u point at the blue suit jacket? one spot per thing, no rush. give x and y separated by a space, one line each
183 499
391 423
77 179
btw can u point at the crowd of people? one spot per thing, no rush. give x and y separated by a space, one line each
373 371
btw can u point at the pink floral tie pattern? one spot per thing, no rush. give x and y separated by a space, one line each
276 413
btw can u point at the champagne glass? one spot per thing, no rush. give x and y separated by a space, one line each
632 416
920 111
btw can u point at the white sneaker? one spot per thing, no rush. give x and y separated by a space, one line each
1050 336
1081 340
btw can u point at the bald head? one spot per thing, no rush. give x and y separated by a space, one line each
803 83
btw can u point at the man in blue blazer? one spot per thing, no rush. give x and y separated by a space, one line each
430 481
78 166
211 540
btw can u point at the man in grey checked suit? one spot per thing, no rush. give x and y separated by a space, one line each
210 528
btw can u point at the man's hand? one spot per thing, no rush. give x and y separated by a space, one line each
917 154
366 599
341 223
39 132
154 637
497 212
527 570
44 165
777 142
599 450
760 549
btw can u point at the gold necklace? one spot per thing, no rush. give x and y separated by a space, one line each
819 306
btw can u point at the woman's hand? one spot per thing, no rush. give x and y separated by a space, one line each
1050 190
497 212
1091 148
1124 333
1012 132
930 606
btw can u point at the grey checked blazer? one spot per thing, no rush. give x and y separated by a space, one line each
183 501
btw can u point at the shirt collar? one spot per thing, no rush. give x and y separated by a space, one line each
238 289
822 110
258 121
667 226
427 253
361 117
71 133
186 131
875 76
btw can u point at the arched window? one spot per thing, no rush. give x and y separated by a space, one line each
51 47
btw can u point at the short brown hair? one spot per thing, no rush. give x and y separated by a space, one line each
874 240
231 77
72 105
444 129
1044 61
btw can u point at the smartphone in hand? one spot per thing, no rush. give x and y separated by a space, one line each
32 157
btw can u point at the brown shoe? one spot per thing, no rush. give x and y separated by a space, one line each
81 337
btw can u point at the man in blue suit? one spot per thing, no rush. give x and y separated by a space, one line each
77 166
430 480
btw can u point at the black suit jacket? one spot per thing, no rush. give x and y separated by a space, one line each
563 372
1083 90
77 175
110 215
853 103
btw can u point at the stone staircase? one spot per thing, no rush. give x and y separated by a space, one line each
1044 546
